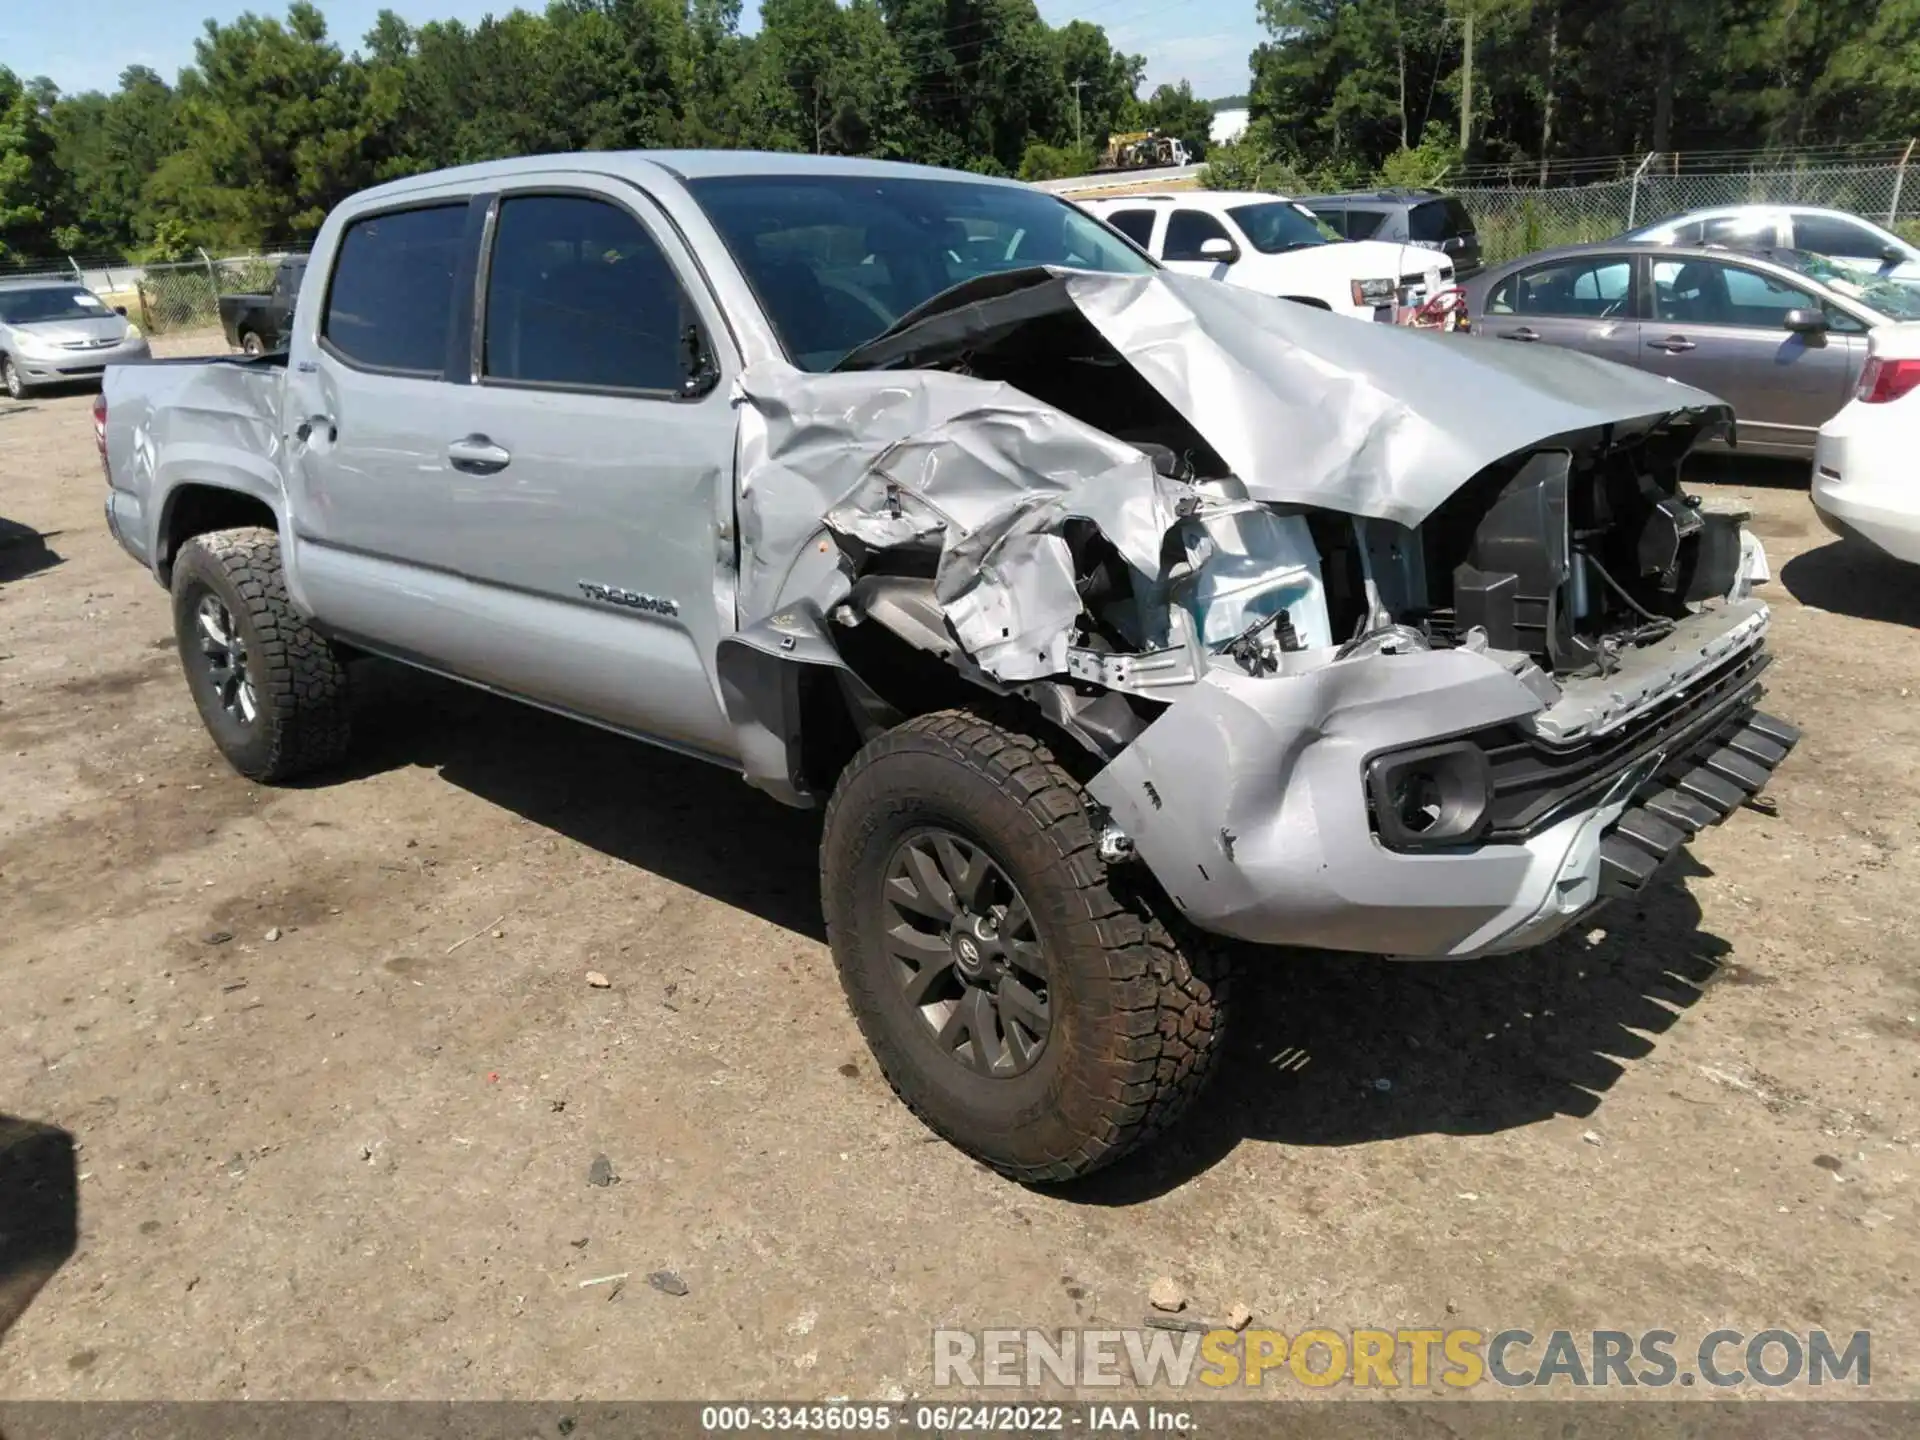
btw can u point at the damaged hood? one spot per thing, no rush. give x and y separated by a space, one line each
900 450
1307 407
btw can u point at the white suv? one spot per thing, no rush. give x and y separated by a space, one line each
1278 247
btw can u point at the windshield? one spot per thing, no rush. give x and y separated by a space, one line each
49 302
1276 226
836 259
1896 299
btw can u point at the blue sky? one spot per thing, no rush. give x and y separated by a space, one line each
84 44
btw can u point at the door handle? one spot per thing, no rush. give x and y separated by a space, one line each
1523 333
1673 344
477 455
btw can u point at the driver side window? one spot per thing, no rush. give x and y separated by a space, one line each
1188 230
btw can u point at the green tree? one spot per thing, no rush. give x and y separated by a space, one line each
29 178
273 127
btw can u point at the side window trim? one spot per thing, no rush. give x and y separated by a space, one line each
477 333
449 370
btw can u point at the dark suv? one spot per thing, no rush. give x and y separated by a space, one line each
1414 217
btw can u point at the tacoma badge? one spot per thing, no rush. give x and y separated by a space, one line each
632 599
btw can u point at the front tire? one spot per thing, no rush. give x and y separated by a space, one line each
252 344
1017 997
10 378
270 689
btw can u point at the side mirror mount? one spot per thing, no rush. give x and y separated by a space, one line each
1892 254
1220 250
1805 322
701 373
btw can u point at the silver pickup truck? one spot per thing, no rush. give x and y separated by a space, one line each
1122 622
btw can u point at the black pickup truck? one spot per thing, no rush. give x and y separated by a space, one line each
257 324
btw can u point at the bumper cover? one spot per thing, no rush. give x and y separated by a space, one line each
1246 801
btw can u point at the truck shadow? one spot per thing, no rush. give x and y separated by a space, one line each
1850 577
1463 1048
684 820
39 1210
23 551
1343 1050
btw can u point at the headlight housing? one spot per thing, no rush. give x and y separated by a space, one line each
31 344
1429 797
1375 292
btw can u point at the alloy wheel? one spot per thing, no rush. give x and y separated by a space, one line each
965 951
224 650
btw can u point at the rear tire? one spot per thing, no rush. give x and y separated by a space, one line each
270 689
251 343
1111 1027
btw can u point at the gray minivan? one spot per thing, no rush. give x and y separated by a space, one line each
52 331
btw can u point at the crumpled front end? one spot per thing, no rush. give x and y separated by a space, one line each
1376 641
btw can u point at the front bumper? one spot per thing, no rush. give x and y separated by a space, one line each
70 365
1246 800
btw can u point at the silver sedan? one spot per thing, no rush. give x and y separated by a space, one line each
1781 335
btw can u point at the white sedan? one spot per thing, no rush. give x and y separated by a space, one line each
1866 463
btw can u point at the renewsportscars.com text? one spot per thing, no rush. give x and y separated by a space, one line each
1454 1358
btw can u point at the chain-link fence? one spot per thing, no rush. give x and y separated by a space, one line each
186 295
1515 218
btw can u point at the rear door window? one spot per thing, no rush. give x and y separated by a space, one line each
1591 288
390 299
1136 225
1432 221
1363 224
580 295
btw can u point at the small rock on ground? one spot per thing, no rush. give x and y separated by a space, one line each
273 934
667 1282
1164 1294
598 981
1239 1317
600 1172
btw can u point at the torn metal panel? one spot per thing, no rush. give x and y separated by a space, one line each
928 459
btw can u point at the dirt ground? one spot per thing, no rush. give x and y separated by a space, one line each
353 1161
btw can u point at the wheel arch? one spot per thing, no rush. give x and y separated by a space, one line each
197 507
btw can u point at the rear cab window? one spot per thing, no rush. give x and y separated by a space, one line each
390 296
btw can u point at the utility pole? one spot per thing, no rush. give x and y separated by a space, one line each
1466 77
1079 140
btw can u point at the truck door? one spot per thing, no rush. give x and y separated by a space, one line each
374 354
592 465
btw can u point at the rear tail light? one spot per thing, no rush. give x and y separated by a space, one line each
1885 380
100 424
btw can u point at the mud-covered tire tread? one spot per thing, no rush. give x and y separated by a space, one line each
300 683
1172 991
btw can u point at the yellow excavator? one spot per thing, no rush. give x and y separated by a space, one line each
1142 150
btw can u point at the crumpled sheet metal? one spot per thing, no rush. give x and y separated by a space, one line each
1307 408
978 467
1374 420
